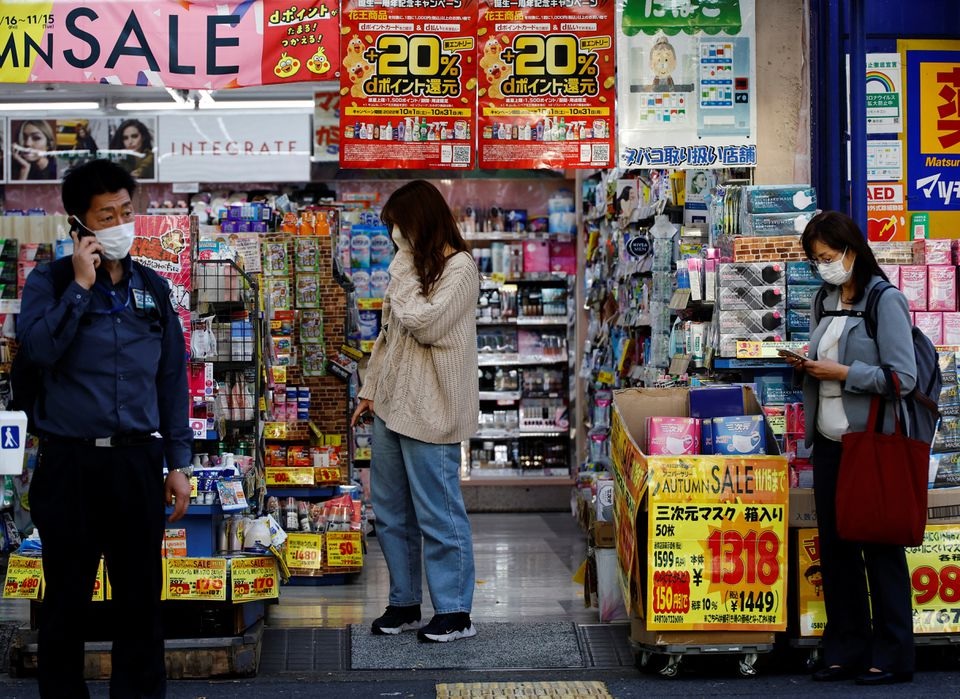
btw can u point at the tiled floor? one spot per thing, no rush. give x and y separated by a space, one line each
525 564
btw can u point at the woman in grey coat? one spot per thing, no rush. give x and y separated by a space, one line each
868 636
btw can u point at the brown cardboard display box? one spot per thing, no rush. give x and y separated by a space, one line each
746 640
943 506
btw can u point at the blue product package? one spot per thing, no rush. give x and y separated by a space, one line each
716 401
739 435
798 320
800 296
776 199
381 248
706 437
802 273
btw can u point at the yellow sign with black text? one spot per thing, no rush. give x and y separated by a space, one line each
195 579
344 550
304 551
24 578
717 544
254 579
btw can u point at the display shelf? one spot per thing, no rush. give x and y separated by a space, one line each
328 491
516 360
517 434
501 395
516 236
725 363
474 479
542 320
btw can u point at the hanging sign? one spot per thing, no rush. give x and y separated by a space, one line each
546 77
235 148
195 578
344 549
24 577
193 45
717 546
162 243
689 98
408 84
254 579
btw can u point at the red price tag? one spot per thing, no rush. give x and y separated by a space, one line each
671 592
931 583
749 558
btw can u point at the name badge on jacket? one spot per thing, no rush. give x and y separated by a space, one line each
143 300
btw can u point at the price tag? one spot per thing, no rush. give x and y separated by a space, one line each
289 476
24 578
606 377
498 277
327 475
304 551
100 584
344 550
195 579
254 578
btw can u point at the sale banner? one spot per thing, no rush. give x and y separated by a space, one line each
100 584
408 84
546 84
344 550
195 579
304 551
934 578
717 546
162 243
24 578
254 579
202 44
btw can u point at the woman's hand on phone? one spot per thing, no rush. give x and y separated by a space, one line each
364 407
826 370
86 259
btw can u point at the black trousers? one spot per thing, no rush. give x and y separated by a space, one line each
852 637
87 501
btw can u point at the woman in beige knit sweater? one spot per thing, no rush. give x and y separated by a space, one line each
421 389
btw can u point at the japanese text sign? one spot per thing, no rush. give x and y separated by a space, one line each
254 579
195 579
344 549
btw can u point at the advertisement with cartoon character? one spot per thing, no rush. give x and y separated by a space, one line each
162 243
688 100
546 85
408 79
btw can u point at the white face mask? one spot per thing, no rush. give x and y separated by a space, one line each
116 240
398 238
834 272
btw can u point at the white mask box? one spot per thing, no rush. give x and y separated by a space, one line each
738 435
941 288
673 436
931 324
913 284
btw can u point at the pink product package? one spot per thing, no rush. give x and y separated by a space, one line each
932 252
563 257
673 436
913 284
536 256
931 324
893 274
942 288
951 328
794 414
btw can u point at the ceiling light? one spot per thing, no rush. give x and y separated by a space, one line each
256 104
47 106
151 106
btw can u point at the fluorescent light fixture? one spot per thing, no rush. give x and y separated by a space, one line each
152 106
47 106
255 104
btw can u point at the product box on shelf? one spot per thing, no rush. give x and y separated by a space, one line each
798 320
931 324
913 284
536 257
751 298
739 435
773 199
951 329
716 401
731 342
751 322
941 288
943 505
932 252
774 224
800 296
751 273
802 273
893 273
944 470
673 435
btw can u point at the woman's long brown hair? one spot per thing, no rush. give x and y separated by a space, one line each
425 220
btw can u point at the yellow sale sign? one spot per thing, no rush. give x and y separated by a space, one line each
195 579
24 578
304 551
716 545
344 549
254 579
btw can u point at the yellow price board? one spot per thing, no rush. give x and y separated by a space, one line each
344 550
24 578
717 545
195 579
100 584
254 578
934 578
304 551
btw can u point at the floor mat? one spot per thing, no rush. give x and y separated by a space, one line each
467 690
303 650
497 645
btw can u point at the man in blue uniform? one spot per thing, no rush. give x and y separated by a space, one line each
111 410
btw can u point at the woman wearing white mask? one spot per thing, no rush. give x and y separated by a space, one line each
421 390
867 637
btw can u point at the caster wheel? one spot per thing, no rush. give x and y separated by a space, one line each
672 668
747 668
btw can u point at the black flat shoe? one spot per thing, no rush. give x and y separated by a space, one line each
833 674
872 679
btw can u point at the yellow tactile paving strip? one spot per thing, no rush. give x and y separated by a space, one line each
470 690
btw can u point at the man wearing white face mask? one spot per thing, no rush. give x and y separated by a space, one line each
111 410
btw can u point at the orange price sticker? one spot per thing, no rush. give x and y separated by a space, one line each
344 549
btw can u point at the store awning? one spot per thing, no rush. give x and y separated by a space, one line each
675 16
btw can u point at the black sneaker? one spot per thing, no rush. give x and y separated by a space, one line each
396 620
447 627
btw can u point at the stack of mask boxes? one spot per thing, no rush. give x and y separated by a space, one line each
751 303
803 282
945 456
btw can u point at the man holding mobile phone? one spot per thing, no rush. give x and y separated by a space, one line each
111 409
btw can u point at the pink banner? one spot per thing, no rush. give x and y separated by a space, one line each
163 244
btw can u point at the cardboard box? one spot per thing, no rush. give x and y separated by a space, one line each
932 252
913 284
802 273
798 320
751 273
931 324
803 508
751 298
775 199
800 296
715 401
604 535
893 274
604 506
752 322
742 641
941 288
943 506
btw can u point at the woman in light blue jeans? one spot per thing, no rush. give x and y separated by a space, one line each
421 389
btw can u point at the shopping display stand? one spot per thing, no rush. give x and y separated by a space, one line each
700 541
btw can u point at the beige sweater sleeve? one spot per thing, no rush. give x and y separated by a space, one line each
430 319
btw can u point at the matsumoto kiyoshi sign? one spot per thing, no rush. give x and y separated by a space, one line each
194 44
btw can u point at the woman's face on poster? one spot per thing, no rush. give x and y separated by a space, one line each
132 139
34 143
